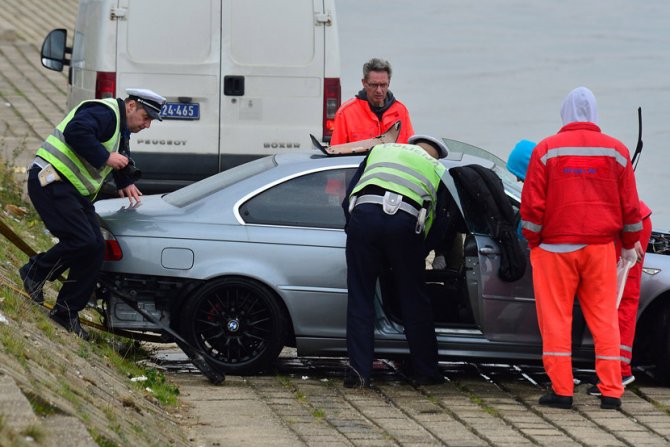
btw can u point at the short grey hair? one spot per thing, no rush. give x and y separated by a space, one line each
376 64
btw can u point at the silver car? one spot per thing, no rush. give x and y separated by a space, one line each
252 259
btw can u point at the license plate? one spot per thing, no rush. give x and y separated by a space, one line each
180 111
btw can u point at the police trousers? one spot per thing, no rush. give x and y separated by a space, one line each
81 248
378 241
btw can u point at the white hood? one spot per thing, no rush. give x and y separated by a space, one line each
579 105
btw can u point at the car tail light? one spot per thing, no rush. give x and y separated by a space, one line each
105 85
332 98
112 248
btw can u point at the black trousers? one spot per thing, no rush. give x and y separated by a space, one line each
81 248
376 240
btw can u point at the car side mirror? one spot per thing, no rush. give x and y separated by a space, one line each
54 50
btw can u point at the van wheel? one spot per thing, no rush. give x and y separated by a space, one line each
237 323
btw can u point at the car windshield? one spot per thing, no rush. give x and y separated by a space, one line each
458 148
217 182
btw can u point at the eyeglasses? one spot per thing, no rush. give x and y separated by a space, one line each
381 85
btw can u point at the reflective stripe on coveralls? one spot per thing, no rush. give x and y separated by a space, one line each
582 152
84 177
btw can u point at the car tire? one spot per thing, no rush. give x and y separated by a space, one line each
237 323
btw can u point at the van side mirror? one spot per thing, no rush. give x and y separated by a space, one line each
54 50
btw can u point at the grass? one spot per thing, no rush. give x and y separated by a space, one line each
164 391
66 391
474 398
316 412
23 346
41 407
122 355
124 358
35 432
13 345
102 440
319 413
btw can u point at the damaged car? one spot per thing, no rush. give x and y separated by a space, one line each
252 259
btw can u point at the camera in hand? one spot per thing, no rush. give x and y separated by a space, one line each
130 170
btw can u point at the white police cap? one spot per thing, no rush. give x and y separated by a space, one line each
151 101
442 149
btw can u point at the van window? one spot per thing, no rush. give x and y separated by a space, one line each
272 33
170 31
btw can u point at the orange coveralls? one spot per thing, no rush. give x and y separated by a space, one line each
630 300
579 190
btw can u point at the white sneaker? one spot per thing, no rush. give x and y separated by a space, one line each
627 380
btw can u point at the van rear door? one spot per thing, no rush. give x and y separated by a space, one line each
173 47
272 76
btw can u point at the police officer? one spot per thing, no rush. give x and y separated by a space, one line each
63 180
390 210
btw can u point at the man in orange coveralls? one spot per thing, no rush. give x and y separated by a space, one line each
373 110
578 198
630 301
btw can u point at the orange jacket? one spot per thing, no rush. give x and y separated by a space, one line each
354 121
580 189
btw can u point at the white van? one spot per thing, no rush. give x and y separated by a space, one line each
243 78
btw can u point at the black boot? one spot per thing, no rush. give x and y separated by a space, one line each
32 287
353 379
610 403
552 399
69 322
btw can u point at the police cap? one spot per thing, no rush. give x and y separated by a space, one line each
439 145
151 101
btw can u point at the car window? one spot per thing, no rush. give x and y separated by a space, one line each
210 185
479 199
512 185
310 200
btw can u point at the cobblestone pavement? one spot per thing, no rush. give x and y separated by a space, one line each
305 403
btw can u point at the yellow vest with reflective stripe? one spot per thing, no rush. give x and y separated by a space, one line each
404 169
86 178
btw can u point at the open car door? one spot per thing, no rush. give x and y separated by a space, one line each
498 306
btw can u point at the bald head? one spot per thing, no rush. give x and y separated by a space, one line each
429 148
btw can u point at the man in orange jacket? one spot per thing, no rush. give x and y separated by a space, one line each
578 198
373 110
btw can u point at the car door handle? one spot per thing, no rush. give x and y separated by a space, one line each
487 250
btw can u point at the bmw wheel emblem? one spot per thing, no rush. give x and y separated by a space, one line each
233 325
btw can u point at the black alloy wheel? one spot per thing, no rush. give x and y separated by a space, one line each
237 323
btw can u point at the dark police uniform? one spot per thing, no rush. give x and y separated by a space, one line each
63 198
379 238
